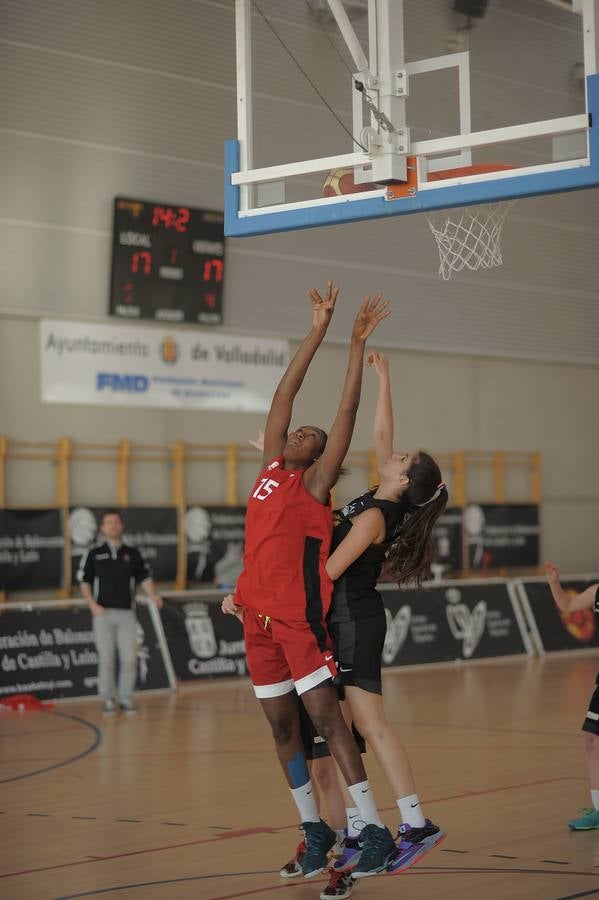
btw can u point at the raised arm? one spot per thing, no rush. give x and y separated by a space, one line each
383 417
322 475
565 602
281 408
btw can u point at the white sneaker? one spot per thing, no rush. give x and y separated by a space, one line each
109 708
130 709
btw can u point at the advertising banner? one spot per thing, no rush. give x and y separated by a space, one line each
215 536
552 629
125 365
50 651
447 535
31 549
152 529
454 620
203 642
502 535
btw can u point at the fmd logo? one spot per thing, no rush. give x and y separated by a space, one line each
114 381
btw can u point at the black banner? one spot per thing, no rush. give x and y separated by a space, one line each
31 549
202 641
557 630
502 536
152 529
215 536
51 652
450 621
447 535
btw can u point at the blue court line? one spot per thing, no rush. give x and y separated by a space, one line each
65 762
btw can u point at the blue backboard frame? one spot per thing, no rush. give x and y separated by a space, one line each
583 174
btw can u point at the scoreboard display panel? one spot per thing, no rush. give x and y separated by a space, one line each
167 262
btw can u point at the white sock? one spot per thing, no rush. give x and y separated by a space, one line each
354 822
305 801
410 811
361 794
595 798
337 849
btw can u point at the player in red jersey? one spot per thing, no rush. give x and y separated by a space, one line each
284 587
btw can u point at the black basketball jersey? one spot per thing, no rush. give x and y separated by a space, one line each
354 594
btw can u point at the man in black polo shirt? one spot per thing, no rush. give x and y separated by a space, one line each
108 576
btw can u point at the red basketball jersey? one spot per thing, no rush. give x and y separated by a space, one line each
287 542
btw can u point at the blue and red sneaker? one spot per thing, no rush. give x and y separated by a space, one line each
413 844
350 854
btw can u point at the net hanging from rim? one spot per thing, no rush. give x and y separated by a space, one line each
469 236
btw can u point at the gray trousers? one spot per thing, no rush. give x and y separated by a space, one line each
115 630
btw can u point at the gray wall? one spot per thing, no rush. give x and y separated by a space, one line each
107 97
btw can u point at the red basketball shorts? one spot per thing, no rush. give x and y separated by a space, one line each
286 656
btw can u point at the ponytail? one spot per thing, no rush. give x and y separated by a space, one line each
411 555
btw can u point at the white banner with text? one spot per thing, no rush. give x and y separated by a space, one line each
124 365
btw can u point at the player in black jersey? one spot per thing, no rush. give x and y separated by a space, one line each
568 603
393 522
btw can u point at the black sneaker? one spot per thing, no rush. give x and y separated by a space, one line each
319 839
378 847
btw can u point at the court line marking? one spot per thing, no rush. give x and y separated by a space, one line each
65 762
425 870
582 894
207 840
265 830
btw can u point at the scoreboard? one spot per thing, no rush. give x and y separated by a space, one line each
167 262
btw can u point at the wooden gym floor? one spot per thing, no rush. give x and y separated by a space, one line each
186 800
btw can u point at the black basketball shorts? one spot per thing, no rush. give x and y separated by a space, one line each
591 722
358 646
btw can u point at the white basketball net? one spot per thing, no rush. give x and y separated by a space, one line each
469 236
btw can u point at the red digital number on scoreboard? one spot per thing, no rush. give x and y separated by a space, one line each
171 218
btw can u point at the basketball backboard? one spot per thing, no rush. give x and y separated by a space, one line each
401 174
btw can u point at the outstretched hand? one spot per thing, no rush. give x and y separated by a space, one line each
259 442
369 315
552 573
379 362
322 307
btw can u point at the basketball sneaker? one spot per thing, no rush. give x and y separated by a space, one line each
294 866
341 885
588 821
319 840
413 844
350 854
109 708
377 847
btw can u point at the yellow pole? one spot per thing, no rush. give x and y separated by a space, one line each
124 455
535 478
459 497
3 455
373 471
499 475
232 475
63 457
459 469
178 498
